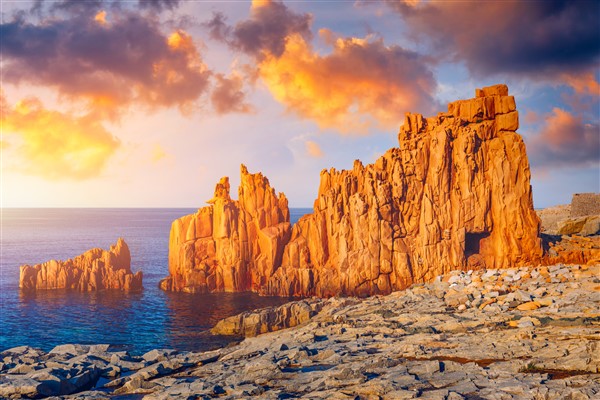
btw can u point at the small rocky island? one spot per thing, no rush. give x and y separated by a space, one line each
96 269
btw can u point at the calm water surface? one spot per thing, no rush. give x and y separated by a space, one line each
136 321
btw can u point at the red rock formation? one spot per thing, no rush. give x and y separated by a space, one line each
230 245
96 269
455 194
573 250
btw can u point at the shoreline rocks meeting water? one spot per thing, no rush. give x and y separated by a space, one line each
96 269
522 333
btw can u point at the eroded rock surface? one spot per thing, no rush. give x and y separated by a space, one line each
573 249
230 245
96 269
455 194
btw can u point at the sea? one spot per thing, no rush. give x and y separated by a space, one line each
135 322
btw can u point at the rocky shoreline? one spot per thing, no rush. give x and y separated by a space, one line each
525 333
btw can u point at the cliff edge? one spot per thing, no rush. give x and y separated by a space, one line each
96 269
455 194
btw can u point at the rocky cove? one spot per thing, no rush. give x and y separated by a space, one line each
521 333
468 300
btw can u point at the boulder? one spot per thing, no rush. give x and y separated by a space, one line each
253 323
583 226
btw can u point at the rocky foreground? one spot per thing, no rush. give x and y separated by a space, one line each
528 333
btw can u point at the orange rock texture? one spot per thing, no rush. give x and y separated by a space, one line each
455 194
96 269
573 250
230 245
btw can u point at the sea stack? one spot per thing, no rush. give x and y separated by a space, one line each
96 269
455 194
230 245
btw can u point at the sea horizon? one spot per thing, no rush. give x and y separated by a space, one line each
137 321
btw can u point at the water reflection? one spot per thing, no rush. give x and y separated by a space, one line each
137 321
50 317
191 315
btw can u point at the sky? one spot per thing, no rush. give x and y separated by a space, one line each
147 103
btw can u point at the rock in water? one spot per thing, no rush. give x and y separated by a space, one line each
96 269
455 194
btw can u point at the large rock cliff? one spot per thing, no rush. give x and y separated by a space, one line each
455 194
96 269
230 245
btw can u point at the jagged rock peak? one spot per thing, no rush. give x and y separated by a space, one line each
455 194
230 245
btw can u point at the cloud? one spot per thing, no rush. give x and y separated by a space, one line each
111 63
536 38
565 140
270 25
313 149
228 96
363 83
85 6
158 153
218 29
159 5
582 83
55 145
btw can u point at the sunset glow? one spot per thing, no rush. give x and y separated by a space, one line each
157 100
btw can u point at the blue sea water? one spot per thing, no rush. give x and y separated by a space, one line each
137 322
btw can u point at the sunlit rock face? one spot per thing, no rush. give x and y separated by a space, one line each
455 194
230 245
96 269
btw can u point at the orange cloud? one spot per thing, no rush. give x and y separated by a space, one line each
313 149
108 66
361 84
565 140
158 153
100 17
584 83
55 145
